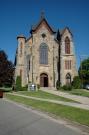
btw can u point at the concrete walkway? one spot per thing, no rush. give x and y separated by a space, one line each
81 99
77 105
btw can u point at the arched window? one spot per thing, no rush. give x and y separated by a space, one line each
68 78
67 45
29 64
43 52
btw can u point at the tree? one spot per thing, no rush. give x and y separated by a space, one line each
6 70
76 82
84 71
18 83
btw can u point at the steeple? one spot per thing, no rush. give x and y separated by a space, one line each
42 18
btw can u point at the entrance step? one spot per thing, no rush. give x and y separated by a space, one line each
48 88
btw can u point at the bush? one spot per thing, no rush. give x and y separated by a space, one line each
67 87
76 82
38 86
18 83
57 85
24 88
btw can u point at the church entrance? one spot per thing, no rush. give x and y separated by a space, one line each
68 79
44 80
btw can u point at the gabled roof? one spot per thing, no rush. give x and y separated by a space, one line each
42 19
63 31
28 38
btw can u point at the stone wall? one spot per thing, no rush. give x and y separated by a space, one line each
37 67
63 57
31 48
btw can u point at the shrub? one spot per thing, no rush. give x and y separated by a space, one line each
18 83
76 82
38 86
25 88
57 85
67 87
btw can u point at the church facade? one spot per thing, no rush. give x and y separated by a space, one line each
46 57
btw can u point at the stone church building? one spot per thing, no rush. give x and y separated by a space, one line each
46 57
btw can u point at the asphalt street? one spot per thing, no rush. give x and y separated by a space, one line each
17 120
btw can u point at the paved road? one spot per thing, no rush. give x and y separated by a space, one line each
18 120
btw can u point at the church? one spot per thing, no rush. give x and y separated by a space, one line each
46 57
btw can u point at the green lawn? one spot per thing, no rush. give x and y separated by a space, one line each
71 113
44 95
80 92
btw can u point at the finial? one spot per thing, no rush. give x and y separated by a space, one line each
42 14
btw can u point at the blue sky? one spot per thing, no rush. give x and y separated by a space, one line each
17 16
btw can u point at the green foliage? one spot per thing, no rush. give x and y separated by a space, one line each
18 83
67 87
84 71
76 82
6 70
57 85
25 88
38 86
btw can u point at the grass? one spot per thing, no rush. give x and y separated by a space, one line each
44 95
79 92
74 114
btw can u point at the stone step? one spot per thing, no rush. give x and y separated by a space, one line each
48 88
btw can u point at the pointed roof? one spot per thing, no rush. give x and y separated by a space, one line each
21 36
42 19
63 31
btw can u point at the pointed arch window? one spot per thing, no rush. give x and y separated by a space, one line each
43 53
67 45
29 64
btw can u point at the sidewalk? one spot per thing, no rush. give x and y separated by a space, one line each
81 99
77 105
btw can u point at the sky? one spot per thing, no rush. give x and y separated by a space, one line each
17 17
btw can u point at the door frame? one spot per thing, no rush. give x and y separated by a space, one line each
42 79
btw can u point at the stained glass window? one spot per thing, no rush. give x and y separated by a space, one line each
43 53
67 45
